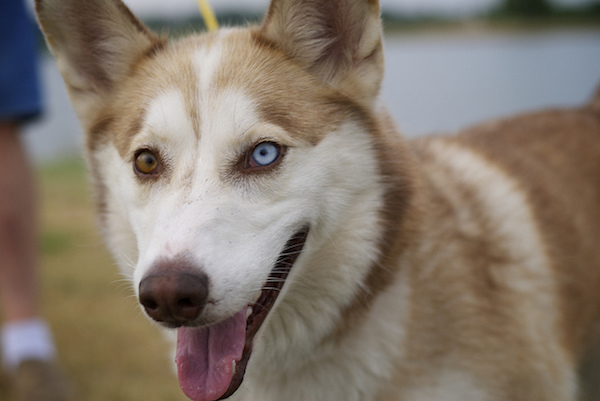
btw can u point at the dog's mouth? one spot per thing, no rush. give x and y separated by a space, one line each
211 361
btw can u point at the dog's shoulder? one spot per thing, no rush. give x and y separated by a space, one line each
548 164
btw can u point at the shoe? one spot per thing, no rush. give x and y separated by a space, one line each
36 380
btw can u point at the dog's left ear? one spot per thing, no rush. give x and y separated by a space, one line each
337 40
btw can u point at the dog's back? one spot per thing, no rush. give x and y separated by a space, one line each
536 175
555 157
559 151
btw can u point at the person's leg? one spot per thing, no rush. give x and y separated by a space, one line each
23 335
26 342
18 227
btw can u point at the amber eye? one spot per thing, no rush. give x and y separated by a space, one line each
146 163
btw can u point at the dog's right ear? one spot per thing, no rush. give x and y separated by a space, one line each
96 44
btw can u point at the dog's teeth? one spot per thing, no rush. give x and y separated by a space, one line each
248 312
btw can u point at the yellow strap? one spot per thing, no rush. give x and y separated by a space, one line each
208 14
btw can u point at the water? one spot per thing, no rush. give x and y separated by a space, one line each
434 82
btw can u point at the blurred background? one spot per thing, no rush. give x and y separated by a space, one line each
450 63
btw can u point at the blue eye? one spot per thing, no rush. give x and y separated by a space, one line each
264 154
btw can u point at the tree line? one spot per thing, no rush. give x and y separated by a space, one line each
541 8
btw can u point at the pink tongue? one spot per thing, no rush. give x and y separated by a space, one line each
204 357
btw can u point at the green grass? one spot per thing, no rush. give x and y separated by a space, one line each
107 347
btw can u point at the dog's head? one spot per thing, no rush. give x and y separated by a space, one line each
227 161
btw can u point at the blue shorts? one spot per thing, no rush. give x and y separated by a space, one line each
19 82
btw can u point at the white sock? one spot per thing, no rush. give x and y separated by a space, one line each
26 339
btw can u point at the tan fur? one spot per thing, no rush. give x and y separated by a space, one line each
553 159
484 283
556 157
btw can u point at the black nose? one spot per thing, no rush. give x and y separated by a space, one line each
174 296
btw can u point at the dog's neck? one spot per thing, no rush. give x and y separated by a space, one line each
322 338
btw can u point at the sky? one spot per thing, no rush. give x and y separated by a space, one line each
152 8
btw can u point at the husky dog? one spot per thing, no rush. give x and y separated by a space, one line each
300 247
